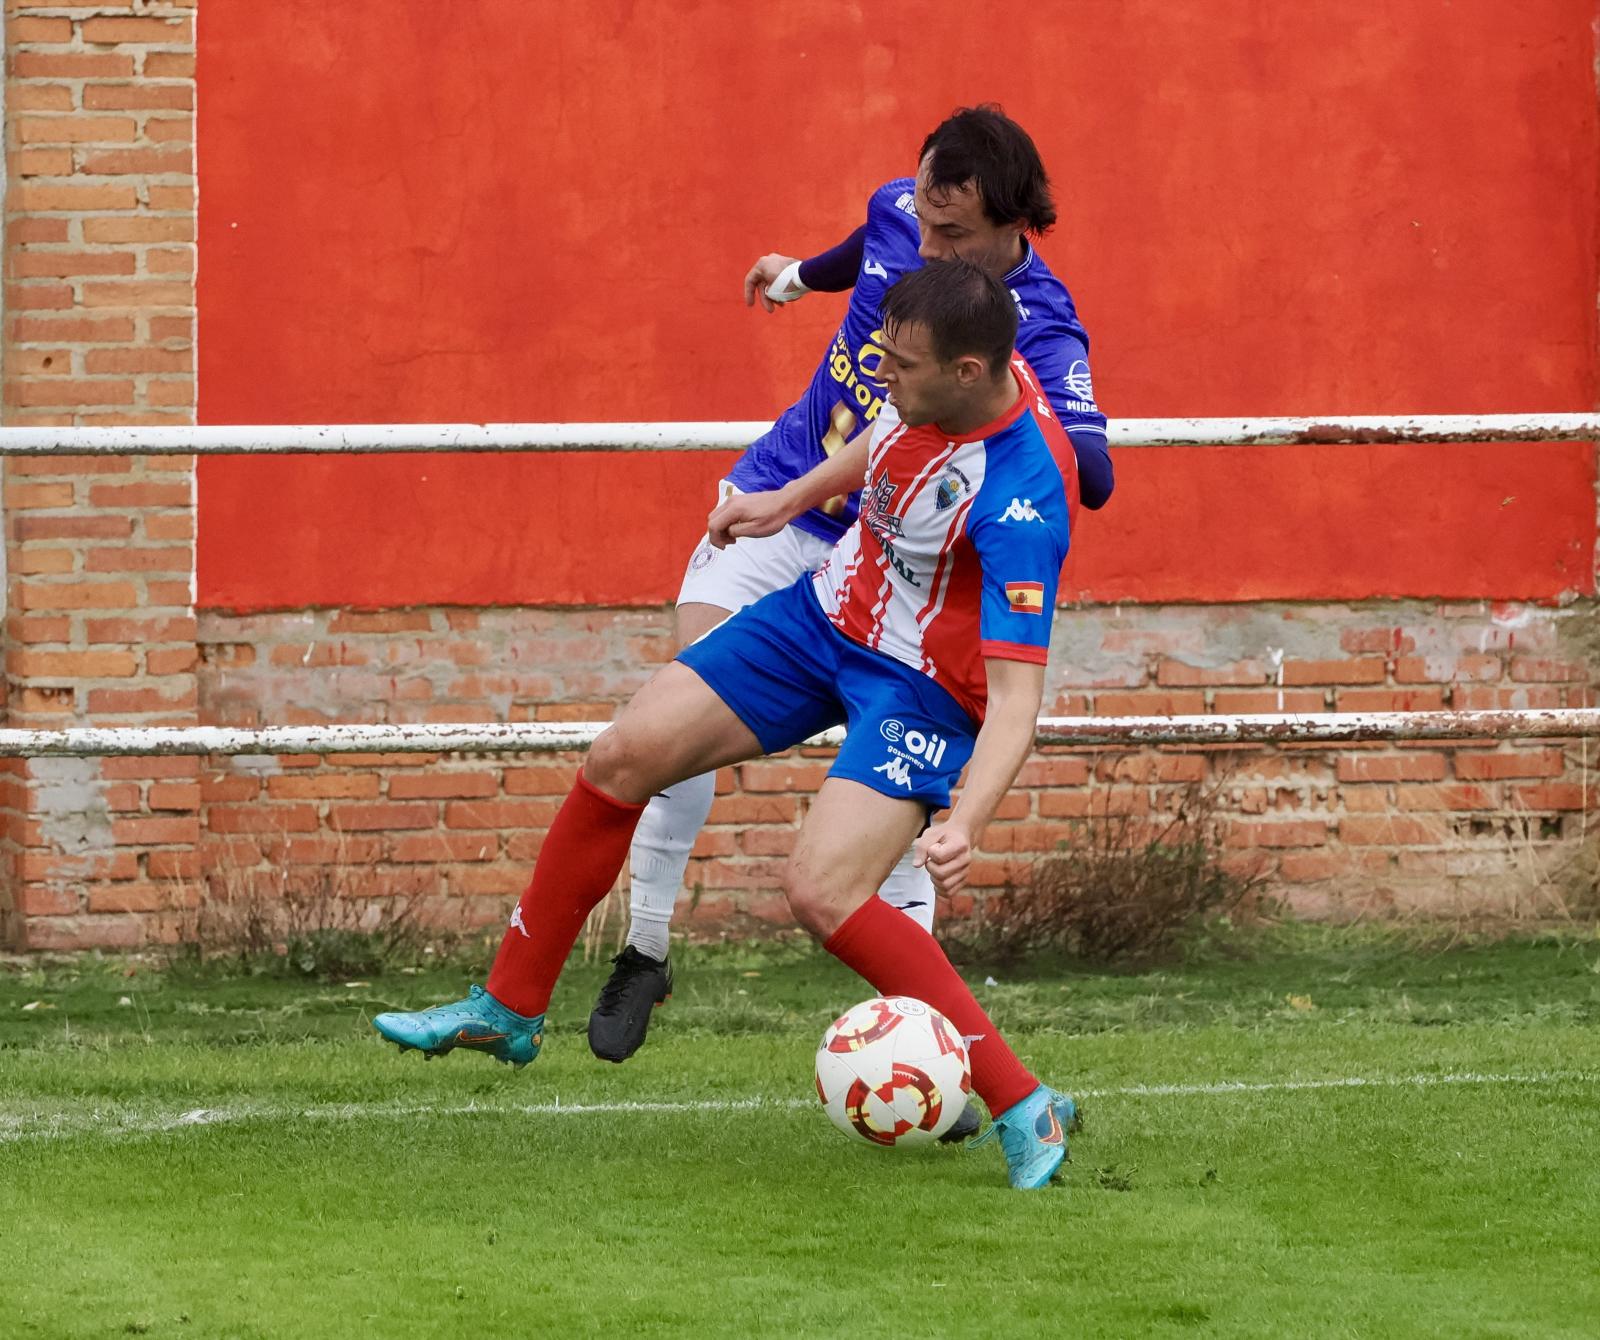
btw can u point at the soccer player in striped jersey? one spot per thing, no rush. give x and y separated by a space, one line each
980 193
927 631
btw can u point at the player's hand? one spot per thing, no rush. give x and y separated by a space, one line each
762 273
946 851
747 516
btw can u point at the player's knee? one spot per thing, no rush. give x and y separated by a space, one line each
814 904
613 766
808 908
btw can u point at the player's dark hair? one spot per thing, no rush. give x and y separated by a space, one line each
964 309
984 145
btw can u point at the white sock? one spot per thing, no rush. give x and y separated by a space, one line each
910 890
660 855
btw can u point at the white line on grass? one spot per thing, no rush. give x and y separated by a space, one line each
1349 1082
118 1121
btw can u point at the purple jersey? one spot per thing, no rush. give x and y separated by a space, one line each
844 397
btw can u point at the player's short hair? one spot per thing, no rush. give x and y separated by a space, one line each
984 145
964 309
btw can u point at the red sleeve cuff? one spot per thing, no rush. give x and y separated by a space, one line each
1014 651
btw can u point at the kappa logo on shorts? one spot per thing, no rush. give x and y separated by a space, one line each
909 749
897 771
1021 509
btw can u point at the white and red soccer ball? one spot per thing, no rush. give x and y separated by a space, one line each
893 1071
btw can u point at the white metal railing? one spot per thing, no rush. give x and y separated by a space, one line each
342 439
355 439
546 737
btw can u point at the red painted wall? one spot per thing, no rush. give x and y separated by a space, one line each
480 211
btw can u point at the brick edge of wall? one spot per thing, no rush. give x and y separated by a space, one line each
100 216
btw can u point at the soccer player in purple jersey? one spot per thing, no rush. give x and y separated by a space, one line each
980 194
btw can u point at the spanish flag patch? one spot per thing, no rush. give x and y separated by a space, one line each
1025 597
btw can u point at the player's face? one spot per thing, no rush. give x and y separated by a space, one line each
920 387
952 223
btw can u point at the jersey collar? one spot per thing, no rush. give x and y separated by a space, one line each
1023 264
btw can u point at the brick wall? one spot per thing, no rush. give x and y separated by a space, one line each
99 329
1339 831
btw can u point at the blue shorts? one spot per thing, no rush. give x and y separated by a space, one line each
788 673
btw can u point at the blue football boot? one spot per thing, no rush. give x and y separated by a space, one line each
1033 1134
480 1022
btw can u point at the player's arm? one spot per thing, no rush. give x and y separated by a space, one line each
1016 689
1061 363
1096 477
776 279
751 515
1021 561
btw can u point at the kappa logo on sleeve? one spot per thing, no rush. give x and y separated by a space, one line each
1025 597
1021 509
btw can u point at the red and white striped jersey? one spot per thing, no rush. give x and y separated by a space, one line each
958 549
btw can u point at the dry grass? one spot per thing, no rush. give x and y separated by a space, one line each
334 922
1124 889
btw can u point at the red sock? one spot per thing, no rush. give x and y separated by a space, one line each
899 958
579 862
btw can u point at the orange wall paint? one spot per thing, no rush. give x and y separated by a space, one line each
477 211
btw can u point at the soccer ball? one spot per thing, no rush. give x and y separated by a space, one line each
893 1072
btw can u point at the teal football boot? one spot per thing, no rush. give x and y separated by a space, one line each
480 1022
1033 1134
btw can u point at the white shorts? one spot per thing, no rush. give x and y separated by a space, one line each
742 573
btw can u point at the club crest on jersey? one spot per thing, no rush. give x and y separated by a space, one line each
1025 597
1021 509
950 489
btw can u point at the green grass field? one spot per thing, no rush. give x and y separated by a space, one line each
1319 1134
